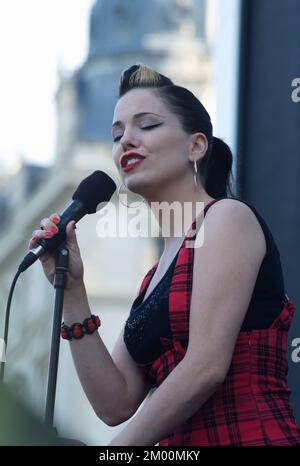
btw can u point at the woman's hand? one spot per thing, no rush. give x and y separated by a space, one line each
75 273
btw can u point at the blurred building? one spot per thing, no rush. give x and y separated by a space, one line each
174 37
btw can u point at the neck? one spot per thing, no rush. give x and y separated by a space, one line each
175 211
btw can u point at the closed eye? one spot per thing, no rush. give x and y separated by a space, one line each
152 126
117 138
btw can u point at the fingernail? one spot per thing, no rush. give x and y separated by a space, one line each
33 238
48 234
54 229
56 219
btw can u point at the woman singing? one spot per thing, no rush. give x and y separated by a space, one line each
208 328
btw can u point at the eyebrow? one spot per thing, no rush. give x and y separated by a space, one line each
135 117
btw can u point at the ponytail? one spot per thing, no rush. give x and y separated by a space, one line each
216 169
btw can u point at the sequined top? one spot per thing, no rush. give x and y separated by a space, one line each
149 320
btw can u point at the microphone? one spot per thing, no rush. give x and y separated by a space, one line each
93 190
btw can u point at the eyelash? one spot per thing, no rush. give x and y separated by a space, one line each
117 138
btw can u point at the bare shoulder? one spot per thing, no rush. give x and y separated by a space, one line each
233 214
232 207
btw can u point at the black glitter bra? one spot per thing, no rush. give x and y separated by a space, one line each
149 320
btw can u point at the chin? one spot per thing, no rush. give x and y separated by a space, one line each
137 185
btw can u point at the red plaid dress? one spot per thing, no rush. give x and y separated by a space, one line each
252 406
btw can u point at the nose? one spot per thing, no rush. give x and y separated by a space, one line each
128 140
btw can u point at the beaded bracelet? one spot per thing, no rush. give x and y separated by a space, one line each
77 330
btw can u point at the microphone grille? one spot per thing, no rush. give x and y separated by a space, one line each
95 188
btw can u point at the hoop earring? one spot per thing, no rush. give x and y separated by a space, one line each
126 205
195 173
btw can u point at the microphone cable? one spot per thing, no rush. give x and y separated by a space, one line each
6 325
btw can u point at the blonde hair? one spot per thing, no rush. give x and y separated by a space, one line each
141 76
144 76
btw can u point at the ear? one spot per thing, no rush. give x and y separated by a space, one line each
198 146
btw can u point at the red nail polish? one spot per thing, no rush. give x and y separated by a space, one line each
54 229
48 234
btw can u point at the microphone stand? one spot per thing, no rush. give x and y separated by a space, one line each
61 269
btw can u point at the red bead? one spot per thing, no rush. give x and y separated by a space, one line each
64 334
91 326
98 321
77 331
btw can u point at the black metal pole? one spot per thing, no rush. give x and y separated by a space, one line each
61 269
